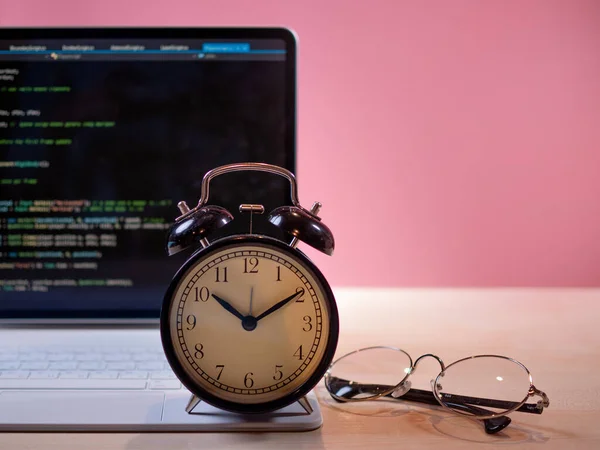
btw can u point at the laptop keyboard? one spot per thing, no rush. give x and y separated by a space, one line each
86 368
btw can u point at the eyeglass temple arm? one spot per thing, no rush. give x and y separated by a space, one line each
359 388
466 403
492 426
532 408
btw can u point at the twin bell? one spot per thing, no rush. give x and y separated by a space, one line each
195 226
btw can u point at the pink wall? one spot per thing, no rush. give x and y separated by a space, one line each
453 143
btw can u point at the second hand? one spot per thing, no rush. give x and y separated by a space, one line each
251 292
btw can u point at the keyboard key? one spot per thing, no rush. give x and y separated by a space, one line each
27 349
117 357
60 357
51 349
32 356
130 350
9 365
63 365
88 357
70 349
46 374
20 374
120 366
92 365
62 383
34 365
145 357
154 365
104 375
74 374
9 356
133 375
164 384
105 349
163 375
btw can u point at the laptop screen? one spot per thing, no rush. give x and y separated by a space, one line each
102 132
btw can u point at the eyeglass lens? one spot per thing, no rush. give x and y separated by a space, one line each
476 381
367 373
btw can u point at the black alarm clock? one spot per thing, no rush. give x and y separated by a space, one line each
249 324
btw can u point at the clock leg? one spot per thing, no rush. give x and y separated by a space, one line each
305 405
194 400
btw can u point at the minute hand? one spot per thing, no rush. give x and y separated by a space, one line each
278 305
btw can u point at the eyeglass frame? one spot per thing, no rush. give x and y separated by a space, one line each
403 387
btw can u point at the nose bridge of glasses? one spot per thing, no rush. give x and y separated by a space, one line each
405 386
429 355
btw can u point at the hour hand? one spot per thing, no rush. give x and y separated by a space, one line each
228 307
280 304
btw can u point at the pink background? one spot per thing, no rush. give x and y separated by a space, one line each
453 143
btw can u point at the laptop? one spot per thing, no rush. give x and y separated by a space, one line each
102 133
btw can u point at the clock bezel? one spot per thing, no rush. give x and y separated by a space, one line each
201 392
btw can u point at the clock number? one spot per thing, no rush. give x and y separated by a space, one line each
248 382
278 373
191 321
300 299
202 294
219 366
253 265
298 353
308 322
218 280
278 273
199 354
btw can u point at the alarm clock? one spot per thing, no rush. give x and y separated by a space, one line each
249 324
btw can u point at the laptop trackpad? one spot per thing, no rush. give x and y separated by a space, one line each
80 407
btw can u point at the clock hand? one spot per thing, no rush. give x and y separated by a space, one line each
251 292
228 307
278 305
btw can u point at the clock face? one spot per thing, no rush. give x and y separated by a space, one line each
250 323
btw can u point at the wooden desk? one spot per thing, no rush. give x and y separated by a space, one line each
554 332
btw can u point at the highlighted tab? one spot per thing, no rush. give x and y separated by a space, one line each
226 48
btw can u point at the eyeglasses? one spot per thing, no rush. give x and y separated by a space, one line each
485 387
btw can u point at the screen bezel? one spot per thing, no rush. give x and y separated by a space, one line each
122 316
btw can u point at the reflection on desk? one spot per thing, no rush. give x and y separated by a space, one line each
554 332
